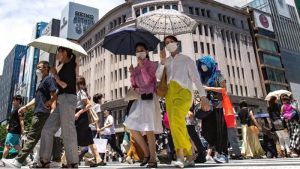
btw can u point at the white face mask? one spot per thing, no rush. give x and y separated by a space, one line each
204 68
141 55
172 47
39 74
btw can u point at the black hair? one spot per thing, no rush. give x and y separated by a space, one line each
97 97
170 37
272 101
18 98
243 103
69 51
285 97
144 46
45 64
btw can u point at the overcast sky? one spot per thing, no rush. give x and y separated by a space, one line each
18 17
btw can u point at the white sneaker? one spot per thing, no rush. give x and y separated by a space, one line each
209 158
11 163
179 164
55 165
189 164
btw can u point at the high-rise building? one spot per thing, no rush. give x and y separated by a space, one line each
297 2
31 61
287 31
222 32
267 51
52 29
76 19
9 79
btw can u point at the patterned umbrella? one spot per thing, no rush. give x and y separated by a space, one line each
166 22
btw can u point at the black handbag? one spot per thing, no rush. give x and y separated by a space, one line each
147 96
199 113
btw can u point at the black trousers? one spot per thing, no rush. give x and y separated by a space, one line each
196 139
214 130
111 140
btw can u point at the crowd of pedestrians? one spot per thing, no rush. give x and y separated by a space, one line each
63 103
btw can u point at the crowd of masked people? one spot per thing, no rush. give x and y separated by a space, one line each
165 117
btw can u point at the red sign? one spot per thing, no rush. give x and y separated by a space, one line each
264 21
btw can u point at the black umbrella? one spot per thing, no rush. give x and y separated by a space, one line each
123 41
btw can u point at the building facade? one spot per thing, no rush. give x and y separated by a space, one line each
267 51
52 29
9 79
76 19
223 32
287 31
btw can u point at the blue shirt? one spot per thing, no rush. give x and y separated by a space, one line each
42 94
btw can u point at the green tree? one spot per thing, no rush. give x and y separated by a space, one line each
3 132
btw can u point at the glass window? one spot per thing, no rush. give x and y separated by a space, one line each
274 75
225 52
267 44
125 72
159 7
195 47
272 60
228 69
208 48
191 10
200 29
233 71
152 8
223 35
238 72
231 87
208 13
203 12
249 59
167 7
202 47
220 17
175 7
120 74
197 12
145 10
214 49
137 13
243 73
205 30
211 31
252 74
237 90
242 24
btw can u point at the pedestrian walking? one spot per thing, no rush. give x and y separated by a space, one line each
44 98
181 73
15 128
84 132
214 128
279 126
63 116
108 132
288 111
144 115
251 147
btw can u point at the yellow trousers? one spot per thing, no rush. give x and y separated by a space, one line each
178 103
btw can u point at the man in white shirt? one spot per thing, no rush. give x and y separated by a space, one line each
108 132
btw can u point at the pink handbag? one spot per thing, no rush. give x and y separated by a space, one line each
166 121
